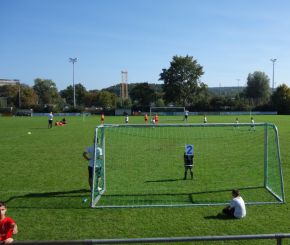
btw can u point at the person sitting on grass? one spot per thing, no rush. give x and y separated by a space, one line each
7 226
237 207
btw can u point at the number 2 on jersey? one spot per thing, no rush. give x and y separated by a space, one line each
189 150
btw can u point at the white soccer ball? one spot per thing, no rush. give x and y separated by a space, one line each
29 132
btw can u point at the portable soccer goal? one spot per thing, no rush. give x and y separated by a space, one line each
143 165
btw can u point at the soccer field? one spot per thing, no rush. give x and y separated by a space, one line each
44 181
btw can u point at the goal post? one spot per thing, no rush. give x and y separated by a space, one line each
142 165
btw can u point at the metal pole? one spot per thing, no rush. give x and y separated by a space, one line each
19 99
273 81
74 85
73 60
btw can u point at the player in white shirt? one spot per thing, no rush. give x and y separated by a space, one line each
126 119
50 119
252 124
237 122
186 112
237 207
88 154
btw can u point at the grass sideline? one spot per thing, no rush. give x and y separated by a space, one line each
44 179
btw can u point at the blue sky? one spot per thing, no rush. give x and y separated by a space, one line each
229 38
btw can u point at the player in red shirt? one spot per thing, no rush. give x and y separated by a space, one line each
156 119
146 118
7 226
102 118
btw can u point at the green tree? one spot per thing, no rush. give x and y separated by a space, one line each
28 97
91 99
11 92
160 102
106 99
182 80
258 89
123 103
46 91
19 94
80 93
102 99
281 99
142 95
127 103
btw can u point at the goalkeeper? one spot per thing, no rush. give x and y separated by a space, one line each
88 154
188 163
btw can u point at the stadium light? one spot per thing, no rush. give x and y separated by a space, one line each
273 81
73 61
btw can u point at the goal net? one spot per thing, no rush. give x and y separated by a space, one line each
143 165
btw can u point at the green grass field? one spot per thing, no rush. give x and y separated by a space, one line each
44 180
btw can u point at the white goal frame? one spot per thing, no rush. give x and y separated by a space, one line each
100 131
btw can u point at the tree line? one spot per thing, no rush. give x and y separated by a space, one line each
182 86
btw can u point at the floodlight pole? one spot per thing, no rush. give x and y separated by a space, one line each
73 61
273 81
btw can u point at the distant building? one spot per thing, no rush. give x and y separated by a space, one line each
9 82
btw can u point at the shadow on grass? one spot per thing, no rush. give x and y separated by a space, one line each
219 216
60 194
71 199
162 180
182 194
39 128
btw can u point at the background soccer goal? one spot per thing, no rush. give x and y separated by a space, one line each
142 165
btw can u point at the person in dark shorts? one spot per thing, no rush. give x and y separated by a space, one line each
185 115
237 207
50 120
188 163
88 154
